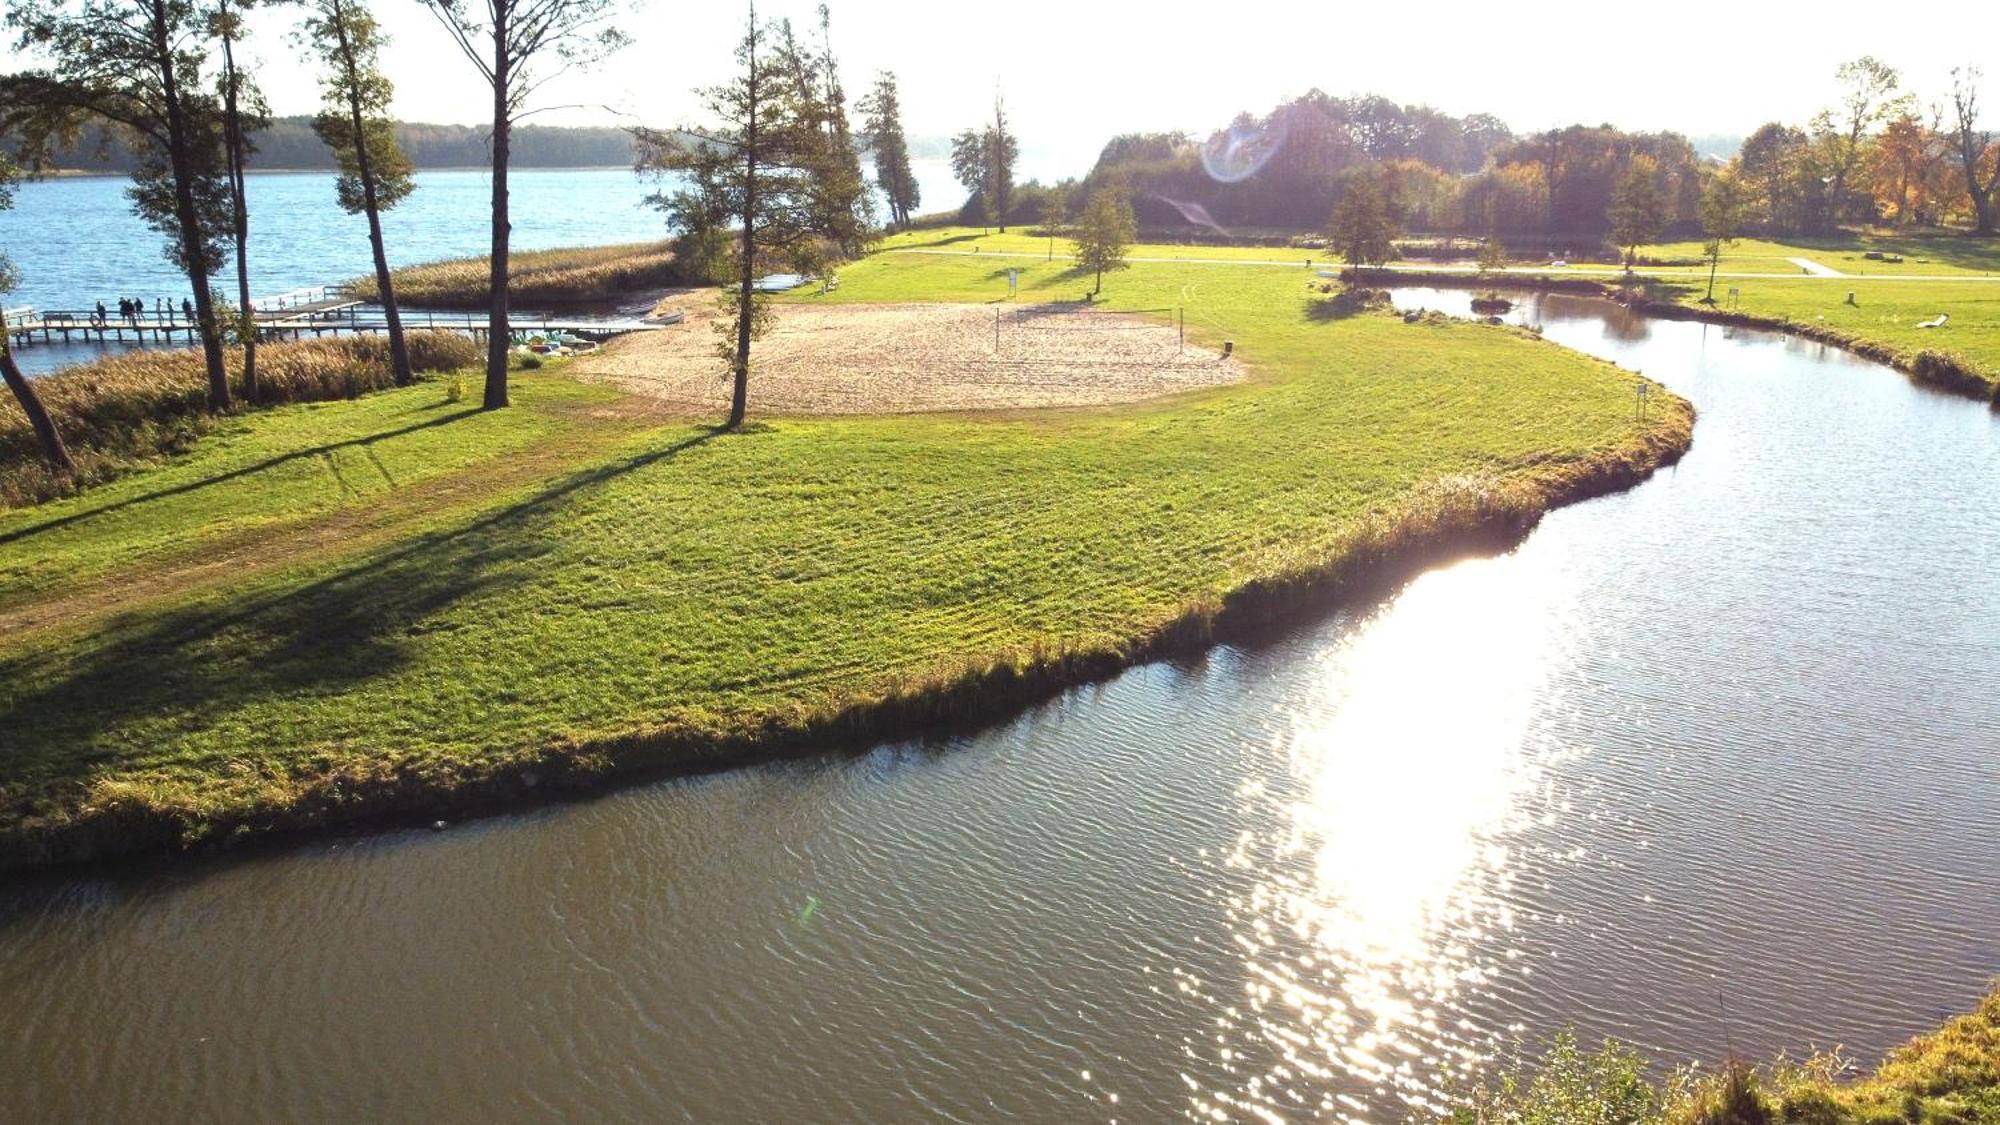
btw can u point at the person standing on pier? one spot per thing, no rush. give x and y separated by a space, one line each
125 310
187 309
98 318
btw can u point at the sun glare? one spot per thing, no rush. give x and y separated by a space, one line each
1381 888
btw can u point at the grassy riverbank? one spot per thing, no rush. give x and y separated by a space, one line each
1882 321
390 606
1950 1075
581 275
1961 357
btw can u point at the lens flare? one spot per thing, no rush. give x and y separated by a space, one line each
1194 213
1239 152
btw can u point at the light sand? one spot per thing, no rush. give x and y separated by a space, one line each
912 358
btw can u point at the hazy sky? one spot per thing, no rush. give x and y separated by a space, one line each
1720 69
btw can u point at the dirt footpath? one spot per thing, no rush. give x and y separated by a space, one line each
897 359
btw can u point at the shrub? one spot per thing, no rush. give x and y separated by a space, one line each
1567 1085
1950 1076
1733 1097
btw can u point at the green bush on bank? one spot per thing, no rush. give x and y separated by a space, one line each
1950 1076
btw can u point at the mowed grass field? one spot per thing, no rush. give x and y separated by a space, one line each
1924 255
1024 240
1885 311
1888 305
396 590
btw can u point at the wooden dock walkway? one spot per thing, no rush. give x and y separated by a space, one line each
321 311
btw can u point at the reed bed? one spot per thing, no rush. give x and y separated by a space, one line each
130 409
573 276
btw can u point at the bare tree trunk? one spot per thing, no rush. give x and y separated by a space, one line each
746 285
399 351
746 299
498 343
31 405
1982 194
237 159
193 245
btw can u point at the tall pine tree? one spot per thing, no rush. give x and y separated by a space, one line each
136 65
243 114
882 115
355 124
746 175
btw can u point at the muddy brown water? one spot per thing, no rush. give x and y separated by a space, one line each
1714 761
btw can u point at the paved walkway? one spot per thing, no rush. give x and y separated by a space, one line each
1814 268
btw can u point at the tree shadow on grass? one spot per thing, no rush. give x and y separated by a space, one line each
946 240
161 674
1959 249
282 459
1342 305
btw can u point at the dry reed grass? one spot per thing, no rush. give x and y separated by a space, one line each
580 275
145 404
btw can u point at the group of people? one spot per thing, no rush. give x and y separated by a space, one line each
130 309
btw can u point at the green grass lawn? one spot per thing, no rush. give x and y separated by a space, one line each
441 596
1923 255
1885 311
264 473
1019 240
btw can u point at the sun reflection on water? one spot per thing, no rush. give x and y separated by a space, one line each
1379 884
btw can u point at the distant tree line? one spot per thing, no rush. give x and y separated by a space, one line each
1878 155
1875 155
290 144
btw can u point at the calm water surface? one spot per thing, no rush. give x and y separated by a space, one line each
1713 760
76 241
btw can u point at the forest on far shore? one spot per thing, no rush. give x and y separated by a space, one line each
290 144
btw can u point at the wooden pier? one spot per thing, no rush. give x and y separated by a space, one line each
325 310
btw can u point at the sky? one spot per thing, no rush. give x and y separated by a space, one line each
1076 72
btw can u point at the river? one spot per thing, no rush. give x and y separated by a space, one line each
1708 763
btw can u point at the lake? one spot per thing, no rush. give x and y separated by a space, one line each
75 240
1707 764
